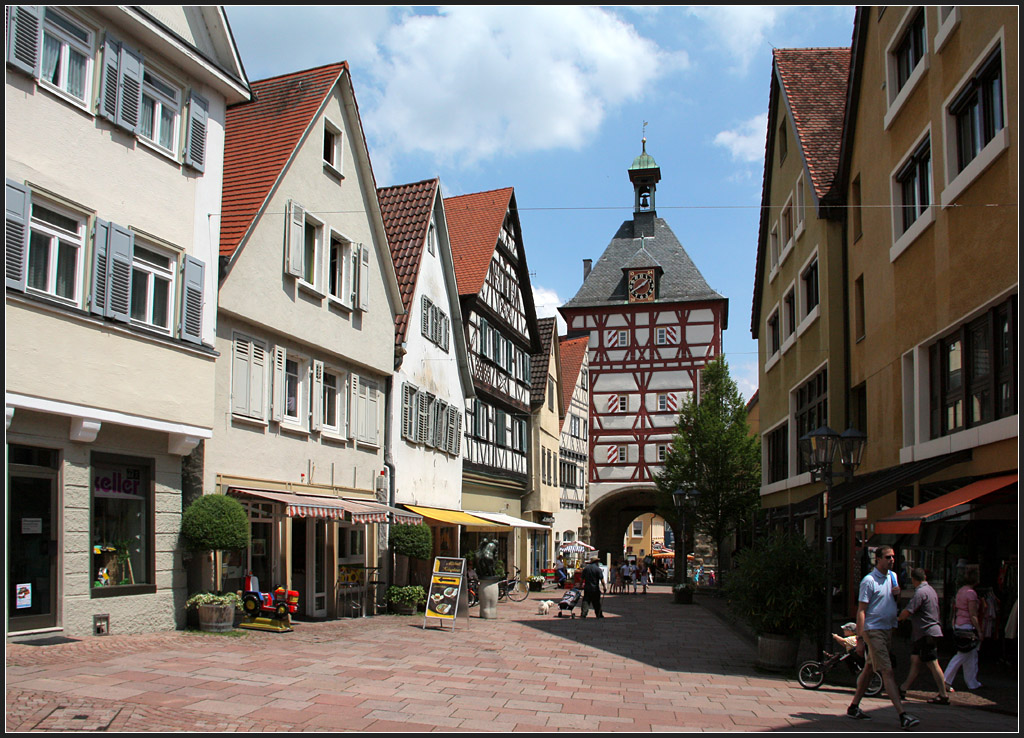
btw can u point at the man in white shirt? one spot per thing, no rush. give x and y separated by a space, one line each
876 619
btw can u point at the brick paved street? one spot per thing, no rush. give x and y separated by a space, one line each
650 665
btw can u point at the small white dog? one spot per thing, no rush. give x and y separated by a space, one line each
544 606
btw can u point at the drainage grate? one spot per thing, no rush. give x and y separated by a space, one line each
79 718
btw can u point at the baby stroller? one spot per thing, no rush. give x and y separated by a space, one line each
569 600
811 674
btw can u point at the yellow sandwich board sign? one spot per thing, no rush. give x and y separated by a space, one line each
447 584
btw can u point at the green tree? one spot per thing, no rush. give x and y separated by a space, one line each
713 452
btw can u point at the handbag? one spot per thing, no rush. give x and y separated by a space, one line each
965 640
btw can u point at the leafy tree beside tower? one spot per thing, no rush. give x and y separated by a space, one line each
713 453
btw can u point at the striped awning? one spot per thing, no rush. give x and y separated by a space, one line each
332 508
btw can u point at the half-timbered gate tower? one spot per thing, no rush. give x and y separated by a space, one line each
653 323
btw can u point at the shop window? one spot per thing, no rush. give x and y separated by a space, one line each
122 530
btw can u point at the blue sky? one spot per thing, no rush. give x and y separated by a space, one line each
552 101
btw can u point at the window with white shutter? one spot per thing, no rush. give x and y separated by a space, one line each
248 377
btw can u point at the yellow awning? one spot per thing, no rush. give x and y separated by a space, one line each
454 517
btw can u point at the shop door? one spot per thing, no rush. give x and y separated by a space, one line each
309 555
32 550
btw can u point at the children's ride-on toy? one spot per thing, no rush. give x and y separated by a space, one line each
266 610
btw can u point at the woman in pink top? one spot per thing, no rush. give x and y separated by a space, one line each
966 622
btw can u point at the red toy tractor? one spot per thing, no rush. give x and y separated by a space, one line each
282 603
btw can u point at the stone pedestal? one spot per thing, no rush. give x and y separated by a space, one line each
489 598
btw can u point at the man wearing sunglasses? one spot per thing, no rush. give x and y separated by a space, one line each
876 618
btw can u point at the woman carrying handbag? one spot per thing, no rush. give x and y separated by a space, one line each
967 633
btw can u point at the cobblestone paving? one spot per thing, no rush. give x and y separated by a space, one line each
649 665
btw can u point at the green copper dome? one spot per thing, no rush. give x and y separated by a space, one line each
644 161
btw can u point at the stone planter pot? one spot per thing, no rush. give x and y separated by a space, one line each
216 618
489 598
777 652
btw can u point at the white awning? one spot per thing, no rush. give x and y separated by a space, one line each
503 519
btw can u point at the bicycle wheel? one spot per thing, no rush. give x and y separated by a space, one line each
810 675
517 590
874 685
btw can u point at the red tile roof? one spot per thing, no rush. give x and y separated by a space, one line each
539 361
407 210
261 137
474 223
815 81
571 351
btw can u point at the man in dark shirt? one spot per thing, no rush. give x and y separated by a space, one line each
593 585
923 612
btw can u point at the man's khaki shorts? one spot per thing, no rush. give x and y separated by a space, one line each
879 647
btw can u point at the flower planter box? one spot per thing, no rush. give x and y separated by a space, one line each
536 586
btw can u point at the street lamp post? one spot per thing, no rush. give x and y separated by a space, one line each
818 449
681 499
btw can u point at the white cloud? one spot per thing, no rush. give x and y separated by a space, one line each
741 30
547 302
475 82
746 141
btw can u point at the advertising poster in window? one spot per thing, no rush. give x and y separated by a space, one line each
447 585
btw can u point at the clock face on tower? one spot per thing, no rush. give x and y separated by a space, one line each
641 285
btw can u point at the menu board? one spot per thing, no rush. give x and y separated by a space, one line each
446 584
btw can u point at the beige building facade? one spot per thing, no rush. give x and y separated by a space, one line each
114 166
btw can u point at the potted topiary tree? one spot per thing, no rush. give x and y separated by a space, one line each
411 545
215 523
777 589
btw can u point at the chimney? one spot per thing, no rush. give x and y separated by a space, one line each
587 263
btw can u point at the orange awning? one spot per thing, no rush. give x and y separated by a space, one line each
908 522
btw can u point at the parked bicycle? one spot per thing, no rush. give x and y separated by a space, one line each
512 587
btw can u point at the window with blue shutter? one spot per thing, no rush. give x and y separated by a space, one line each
192 273
120 250
98 293
23 38
17 202
195 142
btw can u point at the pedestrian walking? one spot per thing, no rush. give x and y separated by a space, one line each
644 577
593 585
926 630
876 618
967 633
627 577
634 575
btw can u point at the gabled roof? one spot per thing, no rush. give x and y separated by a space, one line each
474 224
406 210
571 351
261 138
815 82
539 361
606 283
811 86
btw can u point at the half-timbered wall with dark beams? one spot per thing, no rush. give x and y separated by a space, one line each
497 438
644 362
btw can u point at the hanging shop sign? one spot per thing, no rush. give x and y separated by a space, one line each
447 590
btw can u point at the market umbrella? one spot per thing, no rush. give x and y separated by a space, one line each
575 547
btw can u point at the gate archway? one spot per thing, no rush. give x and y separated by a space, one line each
611 515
